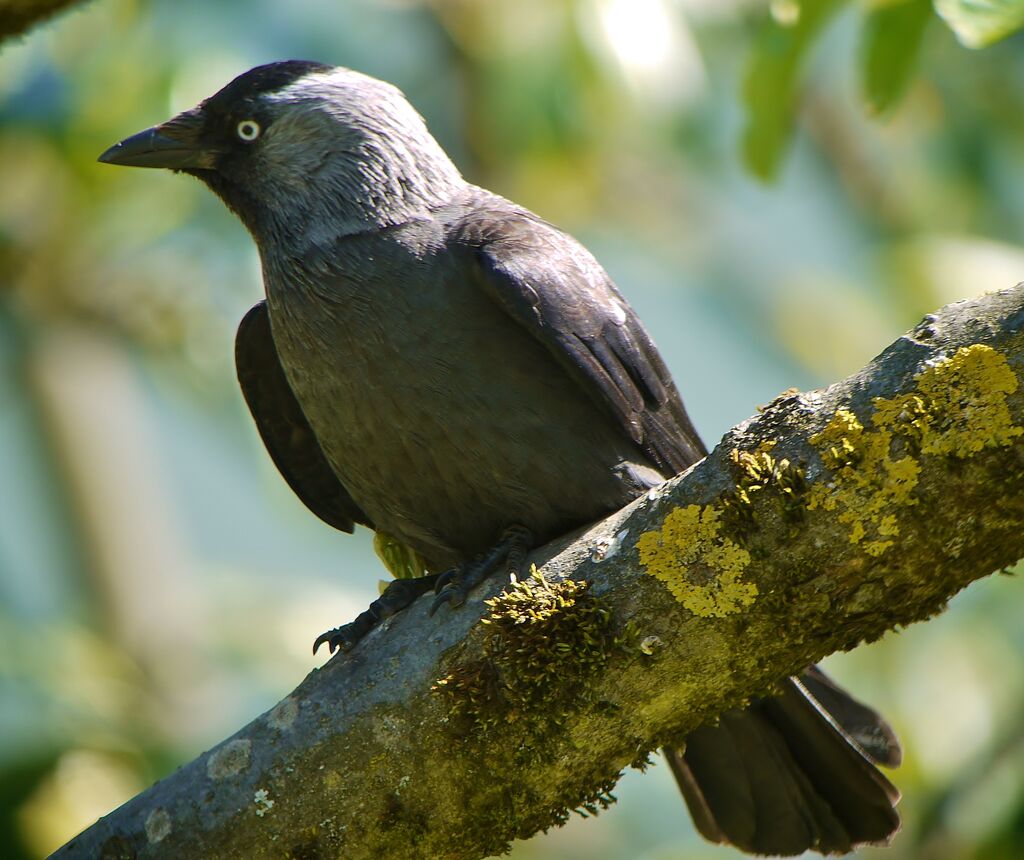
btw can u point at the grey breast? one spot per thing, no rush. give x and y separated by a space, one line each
444 419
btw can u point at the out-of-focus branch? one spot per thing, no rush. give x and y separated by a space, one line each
19 16
828 519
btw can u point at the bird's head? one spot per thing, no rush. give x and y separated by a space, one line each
303 152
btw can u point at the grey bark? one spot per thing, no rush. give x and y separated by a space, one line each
846 534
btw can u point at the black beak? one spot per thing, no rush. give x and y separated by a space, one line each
173 144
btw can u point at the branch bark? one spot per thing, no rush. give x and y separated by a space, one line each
17 17
824 521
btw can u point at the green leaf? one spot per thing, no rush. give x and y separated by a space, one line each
889 50
978 23
770 86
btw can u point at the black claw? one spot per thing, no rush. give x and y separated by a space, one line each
344 638
445 579
451 587
449 594
454 585
396 597
334 639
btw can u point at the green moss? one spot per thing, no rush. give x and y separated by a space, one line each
760 475
591 795
545 641
545 644
595 798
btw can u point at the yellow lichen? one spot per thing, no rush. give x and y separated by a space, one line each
876 547
961 407
958 408
689 543
868 481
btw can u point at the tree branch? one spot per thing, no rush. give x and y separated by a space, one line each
828 519
17 17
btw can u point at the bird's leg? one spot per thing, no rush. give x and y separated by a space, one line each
453 586
398 595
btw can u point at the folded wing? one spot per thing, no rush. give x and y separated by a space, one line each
283 427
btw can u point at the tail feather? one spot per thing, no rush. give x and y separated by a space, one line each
784 776
865 725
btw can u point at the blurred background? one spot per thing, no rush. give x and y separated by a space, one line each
780 189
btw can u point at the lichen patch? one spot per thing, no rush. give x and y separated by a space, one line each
263 802
283 715
958 408
868 481
961 404
606 548
702 568
158 825
229 759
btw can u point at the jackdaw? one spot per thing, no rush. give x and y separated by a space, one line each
451 371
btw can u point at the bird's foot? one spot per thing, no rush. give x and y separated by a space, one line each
453 586
398 595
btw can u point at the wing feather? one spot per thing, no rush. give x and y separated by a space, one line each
282 425
553 287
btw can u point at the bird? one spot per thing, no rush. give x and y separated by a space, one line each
448 369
